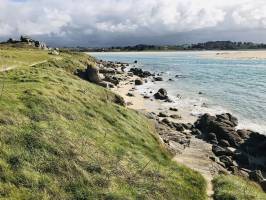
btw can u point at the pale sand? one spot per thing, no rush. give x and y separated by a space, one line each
138 102
253 55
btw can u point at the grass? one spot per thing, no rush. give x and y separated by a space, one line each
229 187
64 138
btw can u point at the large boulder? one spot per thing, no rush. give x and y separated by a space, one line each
223 126
138 82
92 74
161 94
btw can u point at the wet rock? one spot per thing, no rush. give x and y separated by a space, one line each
161 94
139 72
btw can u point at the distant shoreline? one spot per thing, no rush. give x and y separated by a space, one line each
258 54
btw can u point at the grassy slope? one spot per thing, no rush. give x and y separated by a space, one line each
236 188
64 138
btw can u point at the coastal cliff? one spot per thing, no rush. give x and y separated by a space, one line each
66 135
63 137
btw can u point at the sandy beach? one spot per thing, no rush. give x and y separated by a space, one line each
249 54
138 102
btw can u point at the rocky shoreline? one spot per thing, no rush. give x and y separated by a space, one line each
240 152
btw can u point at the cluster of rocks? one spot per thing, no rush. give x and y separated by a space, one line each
140 73
239 151
106 73
29 41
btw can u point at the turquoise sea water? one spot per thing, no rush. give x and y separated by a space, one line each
236 86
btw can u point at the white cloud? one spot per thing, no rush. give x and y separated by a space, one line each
135 17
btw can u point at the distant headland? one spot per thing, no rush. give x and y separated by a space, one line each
211 45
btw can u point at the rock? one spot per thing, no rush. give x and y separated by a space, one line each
146 97
175 116
130 94
170 79
138 82
107 70
173 109
161 114
92 74
139 72
211 136
158 78
224 143
135 61
219 151
161 94
226 160
167 122
195 131
244 134
200 93
188 126
130 74
222 125
256 176
112 79
178 127
213 158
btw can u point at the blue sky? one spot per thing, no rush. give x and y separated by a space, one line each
129 22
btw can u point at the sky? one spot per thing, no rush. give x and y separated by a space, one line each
130 22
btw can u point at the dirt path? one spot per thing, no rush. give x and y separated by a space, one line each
196 157
4 69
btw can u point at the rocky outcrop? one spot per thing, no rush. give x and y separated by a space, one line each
140 73
161 94
92 74
236 149
223 126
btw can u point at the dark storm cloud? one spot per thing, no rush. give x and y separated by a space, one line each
122 22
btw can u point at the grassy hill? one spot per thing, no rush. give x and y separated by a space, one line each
64 138
236 188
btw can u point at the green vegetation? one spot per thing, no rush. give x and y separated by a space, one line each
212 45
236 188
64 138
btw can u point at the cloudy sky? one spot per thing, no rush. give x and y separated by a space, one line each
129 22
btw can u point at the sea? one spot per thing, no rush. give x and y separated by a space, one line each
206 84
